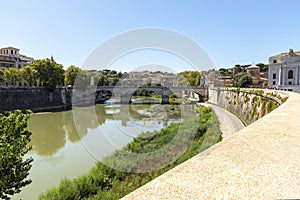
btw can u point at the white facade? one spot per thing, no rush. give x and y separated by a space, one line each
11 58
284 71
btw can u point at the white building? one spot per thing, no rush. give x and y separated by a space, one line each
11 58
284 71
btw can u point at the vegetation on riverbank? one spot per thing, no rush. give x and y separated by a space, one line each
104 182
14 139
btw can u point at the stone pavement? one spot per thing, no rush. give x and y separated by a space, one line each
261 161
229 123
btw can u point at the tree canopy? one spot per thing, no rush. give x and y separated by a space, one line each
14 139
71 74
49 73
190 78
263 67
1 76
29 75
12 75
242 80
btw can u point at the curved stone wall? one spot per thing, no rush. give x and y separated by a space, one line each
259 162
248 105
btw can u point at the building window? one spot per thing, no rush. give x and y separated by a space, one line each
290 82
274 61
274 76
291 74
274 82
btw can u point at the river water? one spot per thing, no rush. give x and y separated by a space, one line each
61 149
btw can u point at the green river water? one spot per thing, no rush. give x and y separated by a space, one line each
59 151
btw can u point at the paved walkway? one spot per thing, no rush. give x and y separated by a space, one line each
261 161
229 123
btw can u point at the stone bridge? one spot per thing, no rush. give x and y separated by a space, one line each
126 92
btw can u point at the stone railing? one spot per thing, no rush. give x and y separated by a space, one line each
259 162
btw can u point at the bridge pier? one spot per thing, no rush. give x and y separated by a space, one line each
125 99
165 99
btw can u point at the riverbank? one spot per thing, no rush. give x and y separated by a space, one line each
108 183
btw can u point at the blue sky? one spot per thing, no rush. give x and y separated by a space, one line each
230 32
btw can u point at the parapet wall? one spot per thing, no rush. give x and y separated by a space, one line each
35 99
248 105
260 161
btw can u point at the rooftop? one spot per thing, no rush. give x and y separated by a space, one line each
289 54
253 67
10 48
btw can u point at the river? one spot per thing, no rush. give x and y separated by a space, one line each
59 151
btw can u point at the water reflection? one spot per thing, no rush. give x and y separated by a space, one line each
52 130
49 134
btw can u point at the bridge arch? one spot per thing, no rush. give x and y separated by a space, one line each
127 92
102 95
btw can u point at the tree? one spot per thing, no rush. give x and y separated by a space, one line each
113 72
190 78
242 80
224 72
148 81
263 67
83 79
71 74
1 77
120 74
29 75
14 139
114 81
49 73
12 75
102 80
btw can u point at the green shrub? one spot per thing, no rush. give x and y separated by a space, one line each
271 105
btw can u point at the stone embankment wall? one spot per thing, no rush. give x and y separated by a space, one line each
248 105
35 99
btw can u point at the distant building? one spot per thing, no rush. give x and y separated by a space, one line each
253 70
139 78
258 79
284 71
235 70
11 58
217 79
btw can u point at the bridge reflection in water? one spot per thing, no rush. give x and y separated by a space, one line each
51 131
